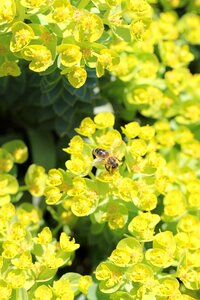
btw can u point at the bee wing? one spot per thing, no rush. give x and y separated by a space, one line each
97 160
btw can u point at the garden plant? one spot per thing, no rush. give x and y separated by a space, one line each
100 149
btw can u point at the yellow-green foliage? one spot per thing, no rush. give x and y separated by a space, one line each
145 189
151 201
67 34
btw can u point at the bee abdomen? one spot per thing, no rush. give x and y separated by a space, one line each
100 152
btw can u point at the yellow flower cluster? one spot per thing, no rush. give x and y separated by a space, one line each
27 260
153 186
143 184
157 75
68 34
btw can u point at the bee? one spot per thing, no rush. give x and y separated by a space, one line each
110 162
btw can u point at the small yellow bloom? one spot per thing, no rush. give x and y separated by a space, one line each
22 35
62 289
35 179
188 223
104 120
83 205
131 130
44 237
79 164
159 257
108 60
53 195
139 273
5 290
120 257
146 132
39 55
168 287
75 145
146 201
84 283
127 189
24 261
138 147
17 232
87 127
34 3
43 292
55 177
66 244
89 27
70 54
6 160
11 249
7 11
16 278
9 68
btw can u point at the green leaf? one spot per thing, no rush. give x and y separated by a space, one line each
42 148
122 33
73 280
95 294
46 275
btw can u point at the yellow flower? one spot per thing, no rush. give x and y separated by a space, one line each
159 257
22 35
104 120
146 201
139 273
16 278
66 244
6 160
87 127
11 249
89 27
44 237
76 75
131 130
146 132
34 3
79 164
75 145
9 68
83 205
108 60
43 292
175 55
62 289
70 54
39 55
84 283
5 290
53 195
7 11
17 232
143 225
24 261
35 179
120 257
127 189
55 177
138 147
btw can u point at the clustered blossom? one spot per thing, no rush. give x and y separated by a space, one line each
152 197
29 260
151 200
67 34
30 254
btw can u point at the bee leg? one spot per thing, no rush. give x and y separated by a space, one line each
108 168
